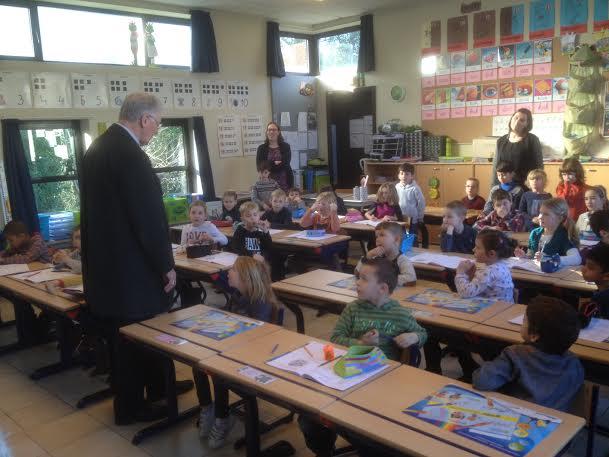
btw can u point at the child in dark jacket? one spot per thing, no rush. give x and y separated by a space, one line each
279 215
230 208
456 235
251 237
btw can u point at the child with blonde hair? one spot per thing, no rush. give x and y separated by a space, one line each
532 199
200 230
279 216
253 297
387 206
252 237
595 199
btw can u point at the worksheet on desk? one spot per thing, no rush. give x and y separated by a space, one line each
39 276
13 269
597 330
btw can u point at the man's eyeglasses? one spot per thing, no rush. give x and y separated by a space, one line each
156 121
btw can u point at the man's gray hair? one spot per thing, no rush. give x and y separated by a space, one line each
137 104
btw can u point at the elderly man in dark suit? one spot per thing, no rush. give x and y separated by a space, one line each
128 266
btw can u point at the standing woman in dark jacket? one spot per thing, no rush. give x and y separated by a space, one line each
278 152
519 147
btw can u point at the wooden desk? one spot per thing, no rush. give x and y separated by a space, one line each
197 265
438 212
258 352
37 295
390 394
163 323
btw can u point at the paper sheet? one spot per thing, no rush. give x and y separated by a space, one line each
356 140
445 261
523 264
274 231
356 126
79 289
226 259
368 125
43 276
367 222
597 330
285 119
303 235
301 141
13 269
302 121
312 139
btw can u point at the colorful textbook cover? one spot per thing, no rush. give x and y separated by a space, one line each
347 283
448 300
504 426
217 324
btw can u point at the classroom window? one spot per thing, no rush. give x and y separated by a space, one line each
295 52
169 153
16 32
172 44
52 151
338 56
91 37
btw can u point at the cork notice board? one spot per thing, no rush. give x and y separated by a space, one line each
464 130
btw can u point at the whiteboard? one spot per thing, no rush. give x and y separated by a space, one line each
547 127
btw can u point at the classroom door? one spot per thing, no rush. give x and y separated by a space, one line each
341 107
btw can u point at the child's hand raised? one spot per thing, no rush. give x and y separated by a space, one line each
519 252
370 338
405 340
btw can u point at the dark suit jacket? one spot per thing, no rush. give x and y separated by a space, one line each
125 236
262 154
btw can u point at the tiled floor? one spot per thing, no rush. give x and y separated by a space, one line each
40 419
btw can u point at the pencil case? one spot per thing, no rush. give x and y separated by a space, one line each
315 233
198 250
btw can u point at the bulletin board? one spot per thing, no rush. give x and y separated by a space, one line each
464 130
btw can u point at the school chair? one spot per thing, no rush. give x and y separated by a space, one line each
585 405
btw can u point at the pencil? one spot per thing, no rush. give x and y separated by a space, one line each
274 348
308 352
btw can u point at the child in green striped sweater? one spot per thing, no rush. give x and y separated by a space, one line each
374 319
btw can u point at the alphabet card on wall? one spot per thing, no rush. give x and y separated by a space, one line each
214 94
238 94
186 94
229 136
15 90
51 90
161 88
253 133
121 86
89 91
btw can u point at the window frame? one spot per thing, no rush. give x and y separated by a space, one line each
37 38
188 167
353 28
310 39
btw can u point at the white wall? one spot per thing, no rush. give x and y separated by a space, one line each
241 43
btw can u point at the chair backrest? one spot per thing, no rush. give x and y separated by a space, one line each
277 315
411 356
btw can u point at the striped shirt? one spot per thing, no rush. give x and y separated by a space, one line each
390 320
34 250
262 190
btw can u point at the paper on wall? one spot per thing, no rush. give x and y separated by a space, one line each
302 121
15 90
229 136
356 140
368 126
51 90
356 126
368 144
312 139
304 158
301 141
285 119
252 132
295 160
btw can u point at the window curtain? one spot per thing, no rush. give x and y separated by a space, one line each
18 180
365 61
205 171
204 52
274 59
314 56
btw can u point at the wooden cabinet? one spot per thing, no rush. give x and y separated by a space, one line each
453 181
552 170
379 173
484 172
597 174
423 173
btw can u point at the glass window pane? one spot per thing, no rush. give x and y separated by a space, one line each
16 32
171 43
173 182
52 197
166 149
338 58
295 52
50 151
84 36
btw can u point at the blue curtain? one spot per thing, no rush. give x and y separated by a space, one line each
274 59
204 52
205 171
365 61
18 180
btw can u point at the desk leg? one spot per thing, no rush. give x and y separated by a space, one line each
252 434
66 350
295 308
95 397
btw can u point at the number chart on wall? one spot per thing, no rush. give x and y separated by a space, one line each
214 94
15 90
186 94
161 88
89 91
238 94
121 86
51 90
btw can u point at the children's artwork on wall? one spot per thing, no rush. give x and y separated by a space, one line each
120 86
457 97
507 93
432 37
511 24
524 53
456 33
229 136
507 56
161 88
484 28
543 51
213 94
443 98
89 91
573 16
543 90
186 94
541 19
51 90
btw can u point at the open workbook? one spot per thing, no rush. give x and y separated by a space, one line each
308 362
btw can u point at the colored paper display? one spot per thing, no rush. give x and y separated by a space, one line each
429 99
524 91
472 60
448 300
472 96
457 62
489 58
457 97
490 92
543 90
507 93
524 53
509 428
601 15
443 98
573 16
442 65
541 19
511 24
507 56
484 29
543 51
432 36
456 33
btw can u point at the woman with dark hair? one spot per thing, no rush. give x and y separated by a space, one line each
278 152
519 147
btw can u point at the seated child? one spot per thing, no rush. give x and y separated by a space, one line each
341 208
596 270
387 206
200 230
505 175
388 242
251 237
279 216
472 199
253 298
531 200
230 210
572 187
262 189
494 281
70 258
456 236
23 247
596 200
374 319
503 216
295 201
542 369
411 199
599 223
556 234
